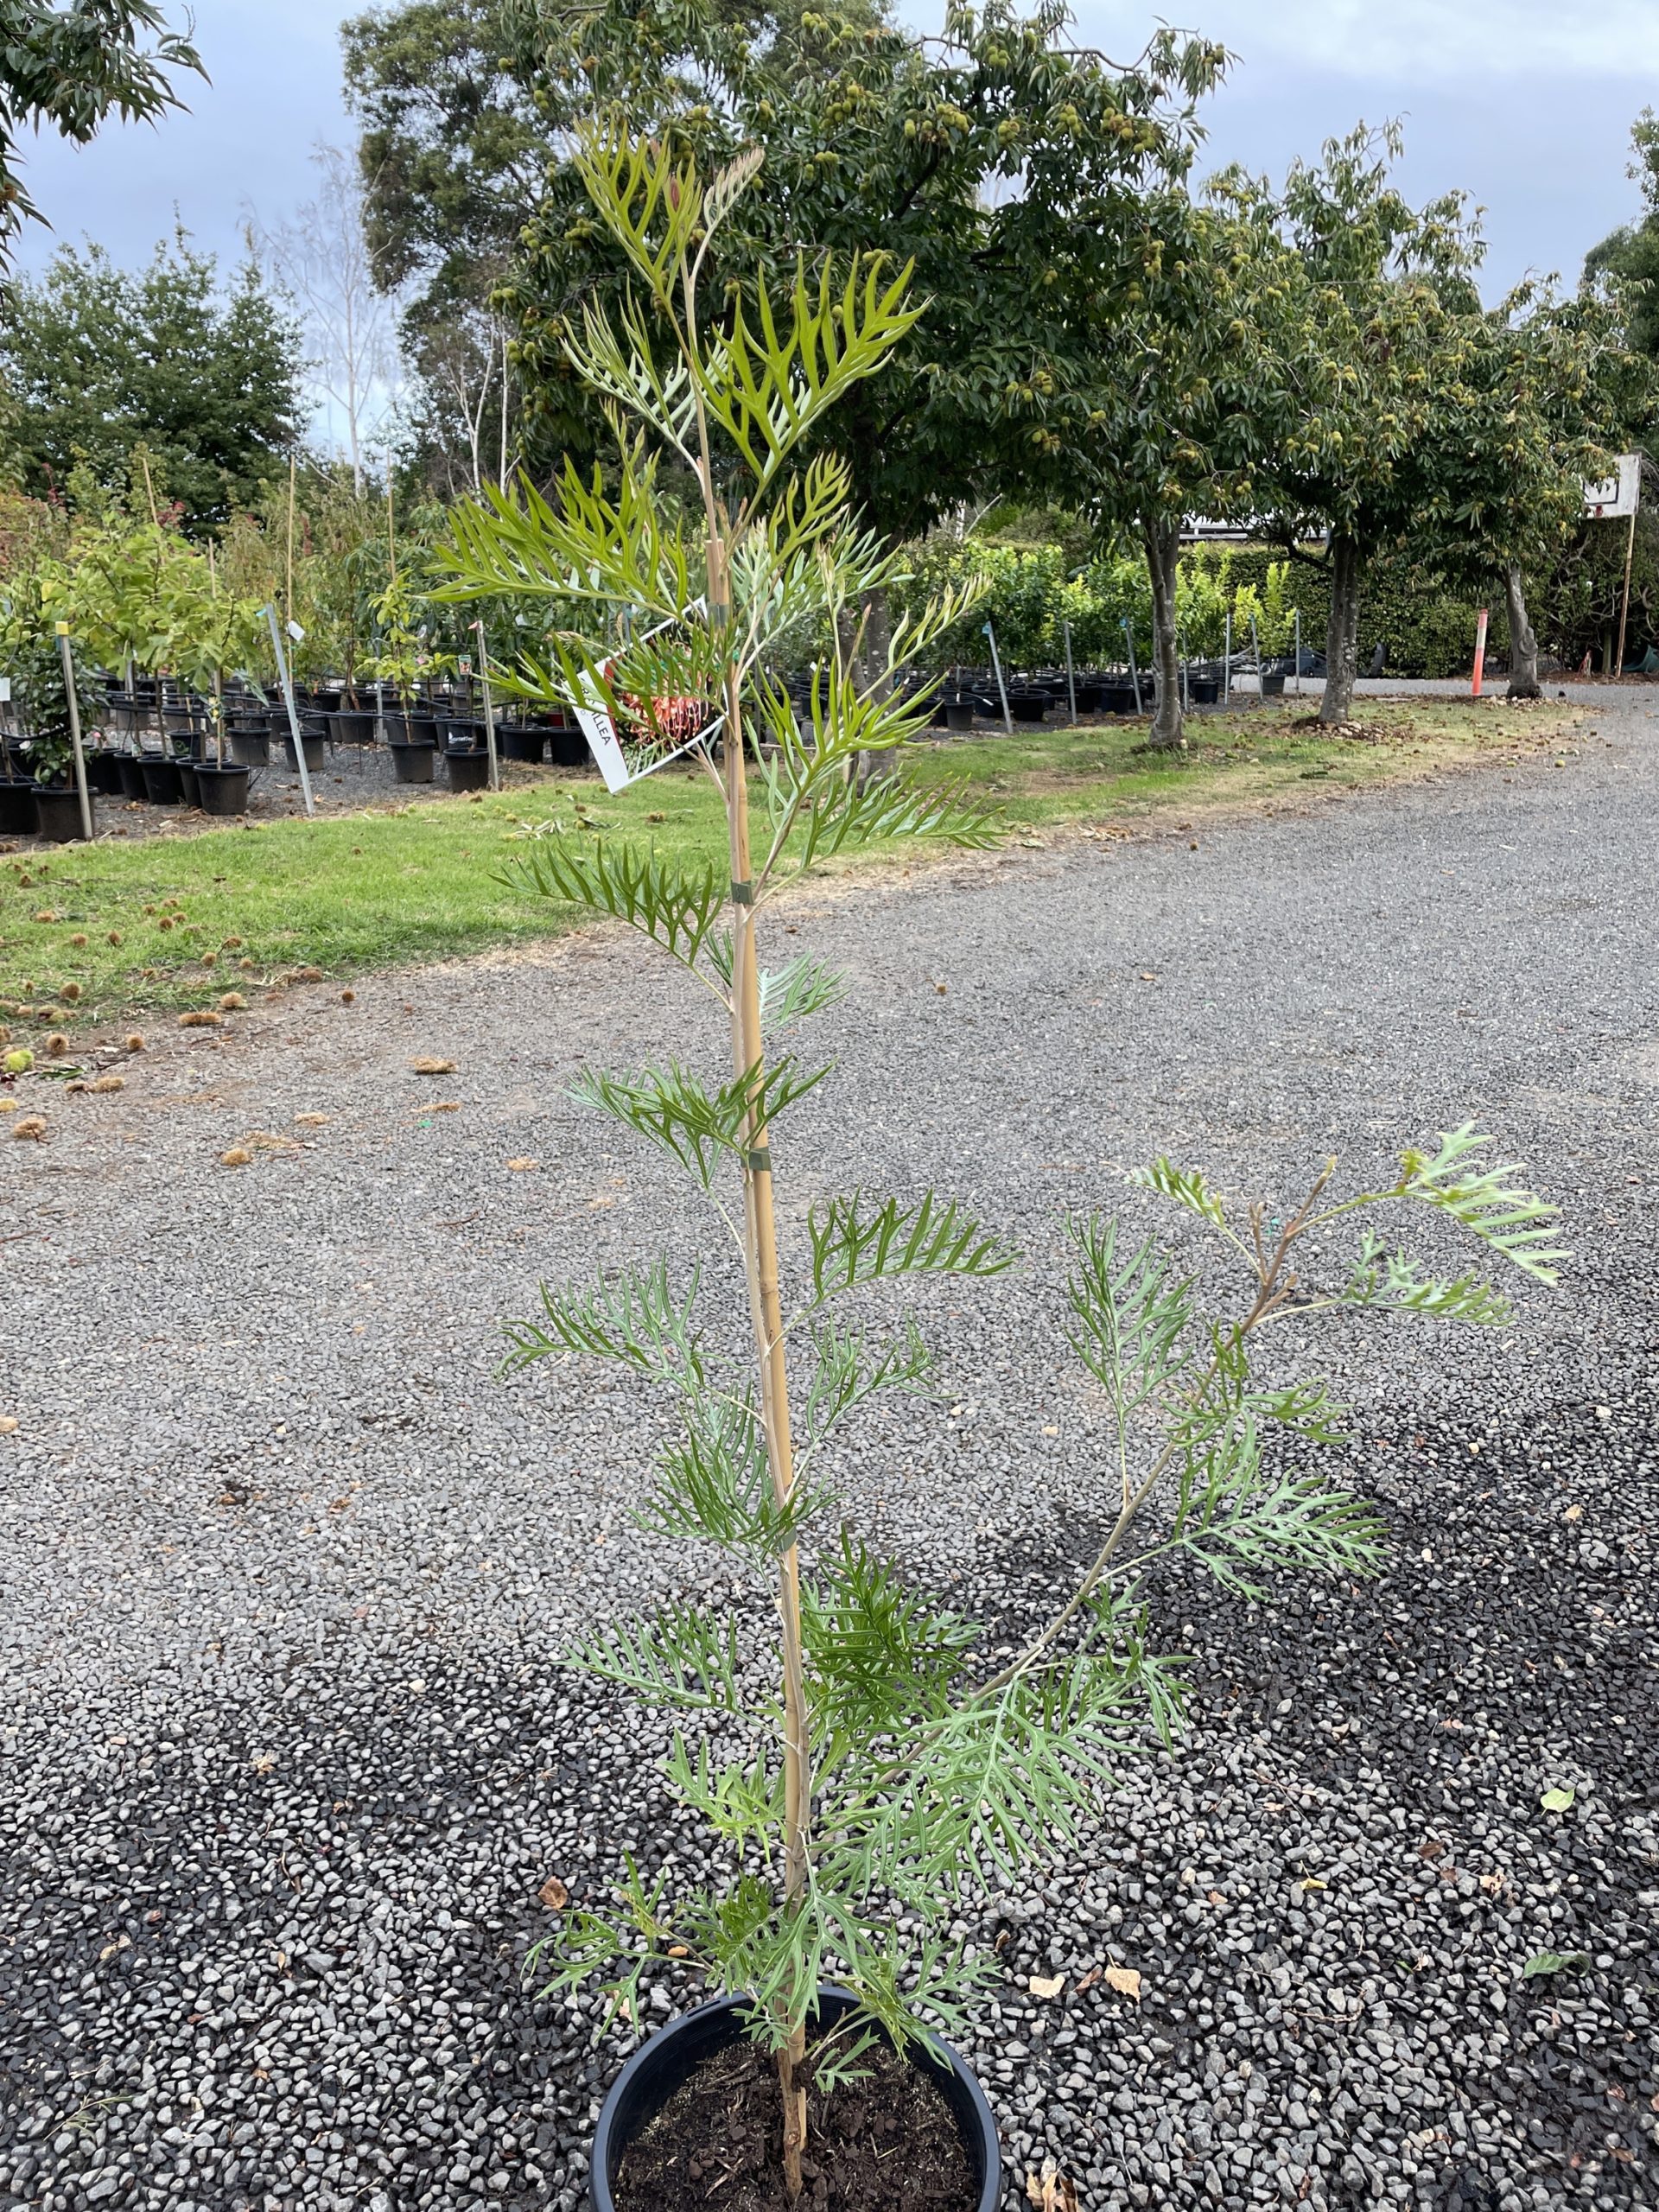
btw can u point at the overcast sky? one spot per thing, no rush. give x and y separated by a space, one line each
1525 104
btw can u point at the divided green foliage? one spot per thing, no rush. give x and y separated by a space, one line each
858 1241
696 1126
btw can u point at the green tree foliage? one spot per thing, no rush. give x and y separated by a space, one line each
1368 315
96 360
1630 255
67 68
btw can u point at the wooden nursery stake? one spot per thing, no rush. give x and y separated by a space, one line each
489 712
293 711
67 659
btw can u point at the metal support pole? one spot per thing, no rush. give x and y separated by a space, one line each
67 659
1624 603
996 662
1187 681
1227 657
1298 650
1134 673
489 712
1071 675
293 711
1255 655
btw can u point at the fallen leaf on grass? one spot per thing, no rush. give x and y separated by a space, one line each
1554 1962
106 1084
310 1121
553 1894
31 1128
523 1166
1046 1986
432 1067
444 1106
1126 1980
237 1156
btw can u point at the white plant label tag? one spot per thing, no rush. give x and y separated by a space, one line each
621 766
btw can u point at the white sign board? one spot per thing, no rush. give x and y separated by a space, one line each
1616 495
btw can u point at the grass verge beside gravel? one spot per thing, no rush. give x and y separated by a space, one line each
176 921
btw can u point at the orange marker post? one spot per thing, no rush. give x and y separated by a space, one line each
1480 653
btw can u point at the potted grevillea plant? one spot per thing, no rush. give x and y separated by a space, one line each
859 1759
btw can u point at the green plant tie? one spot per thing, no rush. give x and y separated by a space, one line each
759 1161
742 894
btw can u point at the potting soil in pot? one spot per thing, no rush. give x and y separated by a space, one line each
887 2143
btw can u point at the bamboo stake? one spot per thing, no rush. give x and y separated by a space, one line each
760 1237
287 596
68 659
489 712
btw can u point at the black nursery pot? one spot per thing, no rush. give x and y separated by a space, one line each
250 748
1273 684
18 816
352 725
959 714
221 790
567 747
162 787
129 768
57 811
313 744
1027 706
519 741
1203 691
414 758
104 772
188 782
469 771
658 2069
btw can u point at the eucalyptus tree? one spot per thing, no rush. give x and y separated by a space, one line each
889 1761
1367 321
67 69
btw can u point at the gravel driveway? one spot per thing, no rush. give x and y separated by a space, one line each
284 1754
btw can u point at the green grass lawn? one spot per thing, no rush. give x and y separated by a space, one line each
175 921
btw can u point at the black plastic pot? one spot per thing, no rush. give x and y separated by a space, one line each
130 766
221 790
104 772
161 783
657 2067
1117 699
469 771
353 726
250 748
519 741
18 816
1027 706
567 747
959 714
57 812
418 730
313 744
1089 697
1203 691
188 782
1273 684
414 758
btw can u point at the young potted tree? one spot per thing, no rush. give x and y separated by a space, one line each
406 660
891 1763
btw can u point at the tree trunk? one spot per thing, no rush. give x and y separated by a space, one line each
865 638
1163 558
1523 642
767 1321
1342 630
